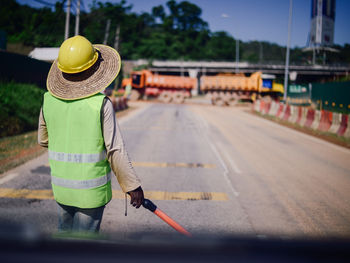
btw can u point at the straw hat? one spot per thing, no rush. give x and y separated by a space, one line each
91 80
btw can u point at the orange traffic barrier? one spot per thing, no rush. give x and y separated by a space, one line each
280 110
300 115
310 117
343 125
287 113
267 107
326 120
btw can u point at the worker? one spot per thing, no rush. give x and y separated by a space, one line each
78 125
127 92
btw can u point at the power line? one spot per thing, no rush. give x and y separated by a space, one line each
82 4
73 7
44 3
50 4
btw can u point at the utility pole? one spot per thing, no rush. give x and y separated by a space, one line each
77 18
116 40
66 32
107 32
237 55
287 51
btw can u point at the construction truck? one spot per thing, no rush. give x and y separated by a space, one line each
228 89
164 87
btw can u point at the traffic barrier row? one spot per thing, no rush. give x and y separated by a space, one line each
323 120
122 103
119 103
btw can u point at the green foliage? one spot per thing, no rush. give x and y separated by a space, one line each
172 31
221 46
20 106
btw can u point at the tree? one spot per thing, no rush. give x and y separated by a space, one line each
171 31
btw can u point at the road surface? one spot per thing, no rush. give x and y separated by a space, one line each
215 171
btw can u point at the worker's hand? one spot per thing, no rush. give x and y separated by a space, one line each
136 197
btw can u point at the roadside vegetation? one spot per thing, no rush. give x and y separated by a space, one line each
16 150
174 31
20 106
19 111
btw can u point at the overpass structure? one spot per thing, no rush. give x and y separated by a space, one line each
301 73
198 68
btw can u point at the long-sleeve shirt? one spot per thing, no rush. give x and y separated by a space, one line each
116 152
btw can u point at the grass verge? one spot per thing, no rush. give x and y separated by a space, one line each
16 150
327 136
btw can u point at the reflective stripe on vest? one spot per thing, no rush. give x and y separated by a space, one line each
77 157
81 184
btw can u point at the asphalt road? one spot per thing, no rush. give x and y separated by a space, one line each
215 171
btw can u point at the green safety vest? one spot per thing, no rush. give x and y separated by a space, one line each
80 172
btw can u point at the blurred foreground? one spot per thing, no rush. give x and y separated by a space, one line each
19 243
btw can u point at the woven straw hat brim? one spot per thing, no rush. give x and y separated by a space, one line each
89 82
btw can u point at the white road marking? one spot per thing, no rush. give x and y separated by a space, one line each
8 178
229 159
217 154
226 172
232 162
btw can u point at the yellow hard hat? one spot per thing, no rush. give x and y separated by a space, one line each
76 54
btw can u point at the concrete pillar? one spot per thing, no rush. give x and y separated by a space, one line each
193 73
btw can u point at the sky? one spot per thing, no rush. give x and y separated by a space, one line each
262 20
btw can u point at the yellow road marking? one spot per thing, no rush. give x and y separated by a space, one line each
46 194
186 165
161 195
26 193
163 165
